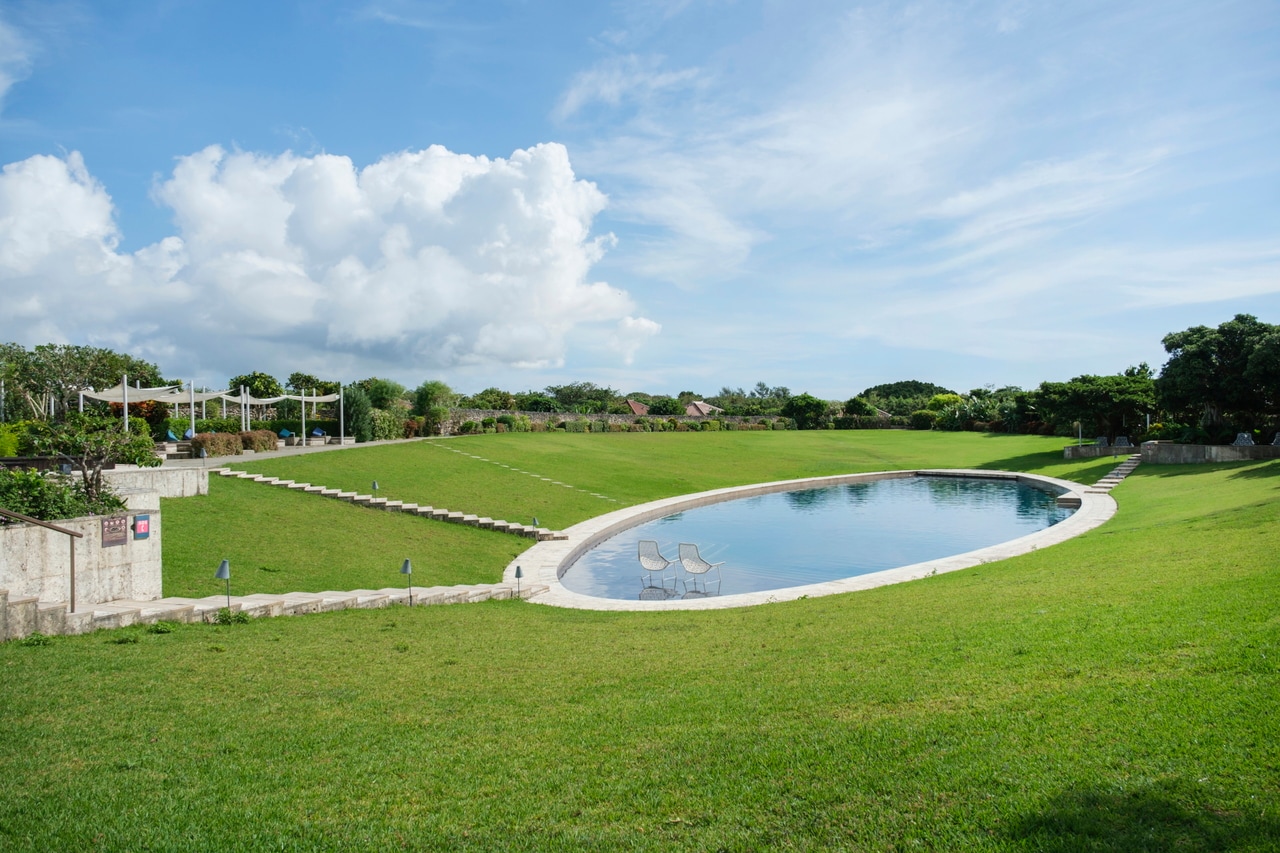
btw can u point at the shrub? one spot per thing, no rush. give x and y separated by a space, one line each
600 426
8 439
49 496
358 412
217 444
410 428
711 426
781 424
509 421
923 419
386 425
577 425
618 427
258 440
539 426
488 422
468 428
522 424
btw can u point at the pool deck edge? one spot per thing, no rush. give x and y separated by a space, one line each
546 561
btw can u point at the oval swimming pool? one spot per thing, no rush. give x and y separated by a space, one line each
793 538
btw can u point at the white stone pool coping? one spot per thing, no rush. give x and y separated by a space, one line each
545 562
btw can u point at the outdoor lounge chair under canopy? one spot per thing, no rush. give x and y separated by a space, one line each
696 567
652 561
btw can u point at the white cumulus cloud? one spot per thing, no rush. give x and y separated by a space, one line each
423 259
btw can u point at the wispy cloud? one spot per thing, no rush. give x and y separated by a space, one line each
618 79
15 59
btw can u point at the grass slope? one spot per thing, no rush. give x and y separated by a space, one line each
633 468
1113 693
280 540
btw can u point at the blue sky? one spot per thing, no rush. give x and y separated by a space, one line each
659 196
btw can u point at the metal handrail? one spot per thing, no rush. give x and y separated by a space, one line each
72 542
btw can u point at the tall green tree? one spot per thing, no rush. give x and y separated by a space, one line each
431 402
1221 376
385 394
55 374
1104 405
582 397
263 386
358 412
807 411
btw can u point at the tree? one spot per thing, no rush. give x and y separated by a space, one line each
431 402
903 398
358 412
383 393
1208 377
262 386
582 397
1104 405
534 401
493 398
856 406
665 407
55 374
807 411
89 442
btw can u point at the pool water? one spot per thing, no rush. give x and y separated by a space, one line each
787 539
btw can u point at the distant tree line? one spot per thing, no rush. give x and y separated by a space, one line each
1215 383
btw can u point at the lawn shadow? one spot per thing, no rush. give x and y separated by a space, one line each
1166 816
1244 469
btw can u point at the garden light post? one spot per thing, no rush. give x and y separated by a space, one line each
224 573
407 570
375 494
519 574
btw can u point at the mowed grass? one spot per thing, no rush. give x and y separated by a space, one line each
279 540
1117 692
632 468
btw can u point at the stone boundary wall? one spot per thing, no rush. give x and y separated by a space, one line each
35 561
1093 451
1169 453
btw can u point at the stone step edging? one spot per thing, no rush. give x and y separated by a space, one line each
541 534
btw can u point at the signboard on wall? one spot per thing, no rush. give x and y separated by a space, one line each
142 527
115 531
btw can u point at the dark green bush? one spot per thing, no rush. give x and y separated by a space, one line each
468 428
923 419
50 496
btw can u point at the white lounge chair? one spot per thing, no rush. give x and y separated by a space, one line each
652 561
696 568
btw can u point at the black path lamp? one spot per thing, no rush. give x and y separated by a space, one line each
407 569
224 574
519 574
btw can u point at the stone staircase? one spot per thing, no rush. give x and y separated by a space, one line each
1117 475
541 534
22 616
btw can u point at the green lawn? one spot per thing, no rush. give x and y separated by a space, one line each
633 468
1117 692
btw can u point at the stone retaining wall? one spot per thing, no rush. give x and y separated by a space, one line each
164 482
1169 453
35 561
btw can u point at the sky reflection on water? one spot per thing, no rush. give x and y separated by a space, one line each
809 536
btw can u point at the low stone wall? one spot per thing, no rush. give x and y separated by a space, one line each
1093 451
128 480
35 561
1168 453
